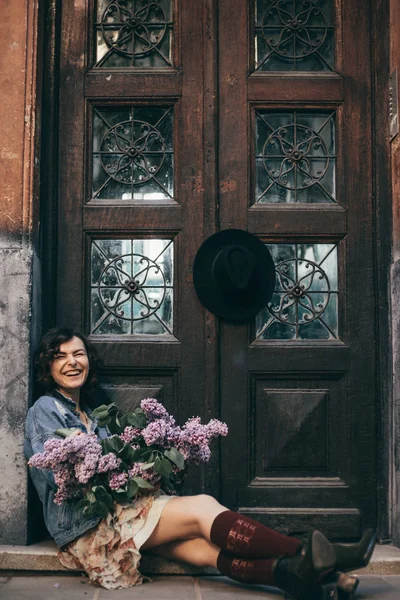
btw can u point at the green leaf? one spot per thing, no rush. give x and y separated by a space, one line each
137 420
83 503
114 444
163 467
142 455
176 457
127 453
132 488
66 431
100 509
91 497
100 409
146 466
113 427
103 496
124 421
142 483
120 496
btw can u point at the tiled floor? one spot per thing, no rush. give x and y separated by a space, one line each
71 587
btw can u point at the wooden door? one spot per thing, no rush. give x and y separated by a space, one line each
298 386
157 98
131 194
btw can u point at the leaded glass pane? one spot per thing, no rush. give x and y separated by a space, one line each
295 157
133 33
133 153
132 287
294 35
304 305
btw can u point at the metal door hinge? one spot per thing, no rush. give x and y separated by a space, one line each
393 105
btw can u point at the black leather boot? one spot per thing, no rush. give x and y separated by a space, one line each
355 556
298 575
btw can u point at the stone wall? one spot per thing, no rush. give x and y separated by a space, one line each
18 223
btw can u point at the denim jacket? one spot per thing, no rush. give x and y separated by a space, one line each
64 522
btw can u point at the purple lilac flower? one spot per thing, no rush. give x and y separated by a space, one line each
161 433
155 410
68 485
117 480
154 433
86 468
108 462
149 475
73 461
130 433
216 428
196 436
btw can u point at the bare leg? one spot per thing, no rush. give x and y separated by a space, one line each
198 552
185 518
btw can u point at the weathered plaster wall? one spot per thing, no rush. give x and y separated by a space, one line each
395 271
18 221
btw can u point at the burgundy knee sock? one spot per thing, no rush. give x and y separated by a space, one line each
242 536
260 570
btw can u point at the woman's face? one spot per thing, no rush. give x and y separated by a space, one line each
70 366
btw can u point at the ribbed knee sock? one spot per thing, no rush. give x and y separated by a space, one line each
260 570
245 537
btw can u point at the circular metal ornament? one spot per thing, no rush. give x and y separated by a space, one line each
293 144
121 25
128 149
293 26
128 287
294 291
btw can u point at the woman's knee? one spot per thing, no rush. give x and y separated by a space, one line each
205 501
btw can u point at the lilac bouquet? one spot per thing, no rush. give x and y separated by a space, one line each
145 451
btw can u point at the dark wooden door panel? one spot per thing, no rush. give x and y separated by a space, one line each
294 384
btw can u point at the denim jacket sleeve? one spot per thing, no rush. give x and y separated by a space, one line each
43 420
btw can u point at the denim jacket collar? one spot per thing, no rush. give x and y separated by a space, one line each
70 403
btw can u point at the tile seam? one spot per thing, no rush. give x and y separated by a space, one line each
197 590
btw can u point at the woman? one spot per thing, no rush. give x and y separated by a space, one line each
195 529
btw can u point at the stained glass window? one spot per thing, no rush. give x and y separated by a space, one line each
132 287
133 153
304 305
295 156
294 35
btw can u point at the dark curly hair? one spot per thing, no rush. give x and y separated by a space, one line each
50 346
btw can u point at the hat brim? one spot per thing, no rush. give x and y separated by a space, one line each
234 306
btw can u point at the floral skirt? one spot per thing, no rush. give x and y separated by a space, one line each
109 553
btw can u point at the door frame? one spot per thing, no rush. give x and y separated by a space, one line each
386 405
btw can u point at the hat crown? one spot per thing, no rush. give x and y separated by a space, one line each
233 268
233 274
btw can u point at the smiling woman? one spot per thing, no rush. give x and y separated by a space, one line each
196 529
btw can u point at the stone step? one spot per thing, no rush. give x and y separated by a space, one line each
43 557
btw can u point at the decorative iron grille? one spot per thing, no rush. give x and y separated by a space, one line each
295 157
133 153
294 35
133 33
305 301
132 287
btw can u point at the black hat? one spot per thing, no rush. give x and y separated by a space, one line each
234 274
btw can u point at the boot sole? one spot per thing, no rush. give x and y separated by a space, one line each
326 591
347 590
